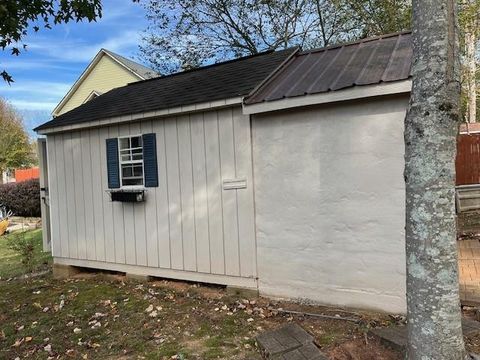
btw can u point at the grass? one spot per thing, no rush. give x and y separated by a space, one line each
105 317
10 262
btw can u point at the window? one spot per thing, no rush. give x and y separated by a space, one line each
131 160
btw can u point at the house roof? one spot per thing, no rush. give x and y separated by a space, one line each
370 61
214 82
138 70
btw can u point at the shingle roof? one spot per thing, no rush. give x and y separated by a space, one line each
214 82
370 61
137 68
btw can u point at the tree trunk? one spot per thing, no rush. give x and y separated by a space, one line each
470 46
433 306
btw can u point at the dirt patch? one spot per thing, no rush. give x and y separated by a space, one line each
100 317
362 349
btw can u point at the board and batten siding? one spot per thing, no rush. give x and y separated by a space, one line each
188 225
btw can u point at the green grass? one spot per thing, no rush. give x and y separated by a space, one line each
10 262
186 326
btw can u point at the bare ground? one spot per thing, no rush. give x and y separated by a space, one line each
106 317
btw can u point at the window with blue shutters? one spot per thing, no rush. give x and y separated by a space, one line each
113 170
132 161
150 166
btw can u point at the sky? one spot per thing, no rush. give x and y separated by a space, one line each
55 58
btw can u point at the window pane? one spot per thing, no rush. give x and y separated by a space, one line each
138 171
124 143
131 155
136 141
127 171
130 182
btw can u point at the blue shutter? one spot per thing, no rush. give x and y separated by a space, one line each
150 160
113 170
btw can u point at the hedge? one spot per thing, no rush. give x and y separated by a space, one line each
22 198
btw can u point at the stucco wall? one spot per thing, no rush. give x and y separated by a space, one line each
329 195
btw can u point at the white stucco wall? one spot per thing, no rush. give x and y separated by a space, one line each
329 194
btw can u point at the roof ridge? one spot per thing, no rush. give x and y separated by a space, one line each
213 65
357 42
130 64
110 52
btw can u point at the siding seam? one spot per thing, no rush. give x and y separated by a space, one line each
193 193
221 192
206 190
180 192
236 193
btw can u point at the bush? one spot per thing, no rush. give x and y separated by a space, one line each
25 247
22 199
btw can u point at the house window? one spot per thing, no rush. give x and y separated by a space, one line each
131 160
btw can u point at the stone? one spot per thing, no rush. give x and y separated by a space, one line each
289 342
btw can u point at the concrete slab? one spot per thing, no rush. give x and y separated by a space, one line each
289 342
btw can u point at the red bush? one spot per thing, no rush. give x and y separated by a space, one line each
23 198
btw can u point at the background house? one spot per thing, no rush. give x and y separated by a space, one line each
106 71
281 172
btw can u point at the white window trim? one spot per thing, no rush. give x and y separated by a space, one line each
120 162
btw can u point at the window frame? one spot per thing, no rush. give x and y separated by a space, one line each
121 162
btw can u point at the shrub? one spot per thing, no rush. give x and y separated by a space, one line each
22 199
25 247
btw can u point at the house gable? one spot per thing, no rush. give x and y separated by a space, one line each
104 73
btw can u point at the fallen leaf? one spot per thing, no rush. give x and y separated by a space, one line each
149 309
18 342
70 352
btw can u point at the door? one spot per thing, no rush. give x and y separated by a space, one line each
44 197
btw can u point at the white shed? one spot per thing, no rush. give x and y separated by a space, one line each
280 172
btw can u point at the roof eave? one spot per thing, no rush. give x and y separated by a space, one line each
352 93
185 109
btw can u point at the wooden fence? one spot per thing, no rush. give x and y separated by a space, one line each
468 159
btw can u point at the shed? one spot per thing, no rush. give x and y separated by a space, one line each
280 172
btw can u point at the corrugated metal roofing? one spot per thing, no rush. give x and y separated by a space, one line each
214 82
366 62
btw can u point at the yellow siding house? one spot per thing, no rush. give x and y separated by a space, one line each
106 71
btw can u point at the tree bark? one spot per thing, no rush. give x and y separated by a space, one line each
470 47
433 305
